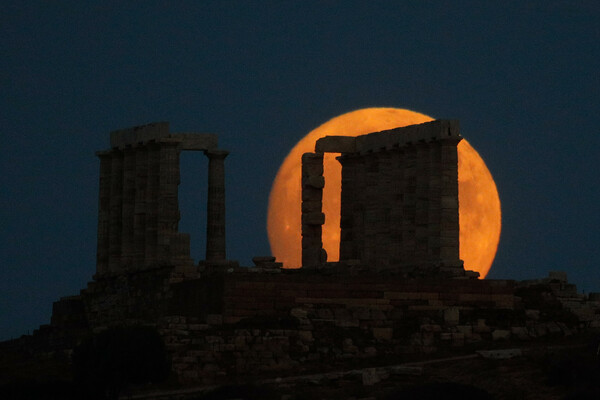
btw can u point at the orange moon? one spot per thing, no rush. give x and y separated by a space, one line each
479 204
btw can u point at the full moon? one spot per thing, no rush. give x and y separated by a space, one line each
479 204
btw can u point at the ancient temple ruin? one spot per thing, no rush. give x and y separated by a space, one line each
138 206
399 289
399 202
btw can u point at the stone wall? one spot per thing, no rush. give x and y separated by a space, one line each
138 212
134 297
399 201
299 321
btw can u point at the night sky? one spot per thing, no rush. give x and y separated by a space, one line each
523 78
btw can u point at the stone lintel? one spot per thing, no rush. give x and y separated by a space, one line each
429 131
336 144
159 131
142 133
216 153
197 141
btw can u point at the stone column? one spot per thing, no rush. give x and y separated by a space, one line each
385 187
348 205
422 203
168 207
215 216
372 209
449 232
139 218
102 254
313 218
151 203
116 203
435 182
409 204
397 204
128 207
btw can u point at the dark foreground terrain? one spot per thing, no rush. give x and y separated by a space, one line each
565 369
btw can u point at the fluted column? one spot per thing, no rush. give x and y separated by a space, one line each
349 246
103 251
422 203
168 206
409 184
215 216
397 206
139 210
115 207
449 229
128 207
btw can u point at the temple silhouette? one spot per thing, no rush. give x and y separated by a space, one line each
398 290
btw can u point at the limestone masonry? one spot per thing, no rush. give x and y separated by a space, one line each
138 207
399 288
399 204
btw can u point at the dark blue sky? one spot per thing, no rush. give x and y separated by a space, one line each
521 76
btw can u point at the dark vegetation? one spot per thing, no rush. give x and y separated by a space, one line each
577 370
107 363
103 366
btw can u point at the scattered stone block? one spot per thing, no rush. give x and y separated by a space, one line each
362 313
532 314
431 328
458 339
383 334
540 330
500 334
406 370
377 314
451 316
214 319
427 339
481 327
370 351
305 336
520 332
299 313
467 330
500 354
370 377
553 328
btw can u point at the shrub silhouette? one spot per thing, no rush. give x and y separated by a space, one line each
106 363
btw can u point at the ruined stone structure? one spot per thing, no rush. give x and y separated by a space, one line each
140 250
138 207
399 204
221 323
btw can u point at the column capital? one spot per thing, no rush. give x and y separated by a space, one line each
216 153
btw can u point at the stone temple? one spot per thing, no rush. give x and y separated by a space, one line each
398 289
138 208
399 205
